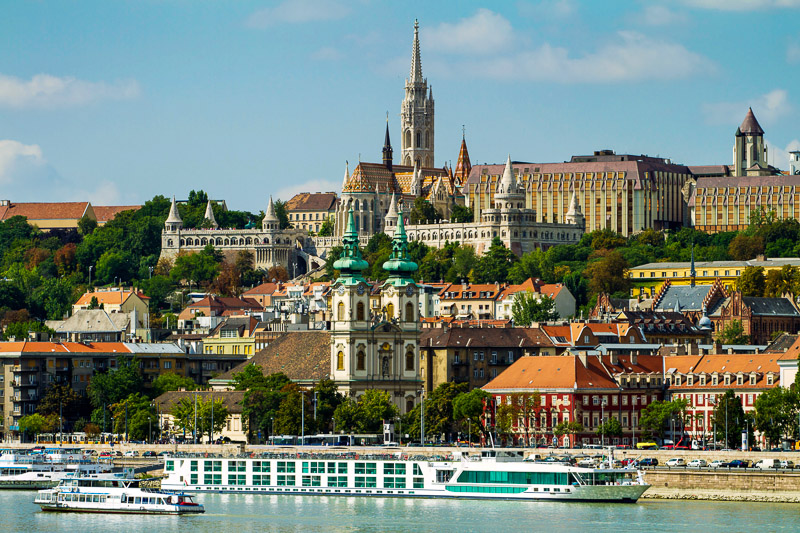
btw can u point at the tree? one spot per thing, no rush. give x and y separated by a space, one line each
494 265
58 398
525 407
504 421
607 239
20 330
262 398
734 333
326 230
752 281
744 247
655 416
171 381
610 428
327 397
568 428
134 416
464 261
206 408
728 419
365 415
609 274
529 307
783 281
198 267
462 214
776 413
32 424
423 212
283 216
114 385
290 412
439 418
468 408
86 225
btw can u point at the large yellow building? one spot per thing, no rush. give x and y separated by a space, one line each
648 279
625 193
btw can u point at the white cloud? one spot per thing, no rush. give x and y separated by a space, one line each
779 157
26 176
768 107
793 53
309 186
14 154
741 5
658 15
630 56
558 9
44 90
297 12
327 53
485 32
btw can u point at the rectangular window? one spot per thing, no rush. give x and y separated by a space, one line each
260 466
260 479
367 482
312 481
394 482
237 466
193 479
212 479
170 466
212 466
337 481
193 466
286 466
285 481
236 479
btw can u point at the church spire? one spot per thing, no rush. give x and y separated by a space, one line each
387 147
399 266
174 217
416 60
350 263
346 175
463 166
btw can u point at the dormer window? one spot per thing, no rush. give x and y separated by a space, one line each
770 379
677 381
740 379
690 380
727 379
702 379
752 379
715 380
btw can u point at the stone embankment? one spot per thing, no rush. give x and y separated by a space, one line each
723 486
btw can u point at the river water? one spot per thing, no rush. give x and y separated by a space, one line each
244 513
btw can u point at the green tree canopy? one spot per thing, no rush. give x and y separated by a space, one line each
58 398
529 307
728 419
136 415
734 333
170 381
468 408
494 265
752 281
365 415
776 411
115 385
32 425
208 409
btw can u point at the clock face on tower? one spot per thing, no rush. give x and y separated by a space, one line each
360 290
340 290
410 290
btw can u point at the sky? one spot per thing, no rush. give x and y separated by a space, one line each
117 101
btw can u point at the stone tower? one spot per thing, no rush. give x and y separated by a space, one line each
749 149
416 116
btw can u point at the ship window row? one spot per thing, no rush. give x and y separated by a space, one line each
366 482
516 478
366 468
284 481
237 479
286 466
394 482
259 479
261 466
83 498
212 479
337 481
491 490
394 469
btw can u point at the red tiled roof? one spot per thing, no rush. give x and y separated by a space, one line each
552 372
104 213
320 201
723 364
63 347
44 211
108 297
264 288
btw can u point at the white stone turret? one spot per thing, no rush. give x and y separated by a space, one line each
346 175
173 222
574 214
390 220
416 181
271 221
209 215
508 195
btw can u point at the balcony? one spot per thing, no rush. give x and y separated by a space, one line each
460 379
460 362
62 369
20 368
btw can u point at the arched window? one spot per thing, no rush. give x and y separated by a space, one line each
419 140
410 360
427 140
340 360
360 311
390 311
340 311
361 360
409 312
409 405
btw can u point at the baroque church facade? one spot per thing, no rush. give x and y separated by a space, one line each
376 348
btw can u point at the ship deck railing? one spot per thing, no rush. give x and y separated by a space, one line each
321 456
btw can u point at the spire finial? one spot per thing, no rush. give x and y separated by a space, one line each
416 61
463 132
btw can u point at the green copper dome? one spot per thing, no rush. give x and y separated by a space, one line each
400 266
350 263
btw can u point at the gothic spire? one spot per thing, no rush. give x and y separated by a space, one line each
507 181
463 166
346 175
416 61
399 265
350 263
387 147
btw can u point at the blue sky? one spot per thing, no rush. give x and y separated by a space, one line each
117 101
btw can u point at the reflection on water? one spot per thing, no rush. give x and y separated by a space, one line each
244 513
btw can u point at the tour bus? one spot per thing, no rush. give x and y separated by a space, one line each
646 446
328 439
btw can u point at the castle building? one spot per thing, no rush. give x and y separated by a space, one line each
376 350
510 219
721 197
270 245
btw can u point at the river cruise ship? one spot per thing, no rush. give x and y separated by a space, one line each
109 493
487 474
40 471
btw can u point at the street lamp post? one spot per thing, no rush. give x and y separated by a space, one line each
150 430
422 416
151 272
90 274
303 417
272 419
603 422
194 429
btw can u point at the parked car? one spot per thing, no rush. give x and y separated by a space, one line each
739 463
105 454
587 462
676 461
787 464
697 463
716 463
149 453
164 453
647 461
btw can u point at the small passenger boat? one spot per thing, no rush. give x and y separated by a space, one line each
40 471
113 494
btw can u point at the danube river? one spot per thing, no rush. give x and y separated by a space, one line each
244 513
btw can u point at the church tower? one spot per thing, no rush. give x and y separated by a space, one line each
416 116
749 149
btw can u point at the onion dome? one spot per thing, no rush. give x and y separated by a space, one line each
400 266
350 263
